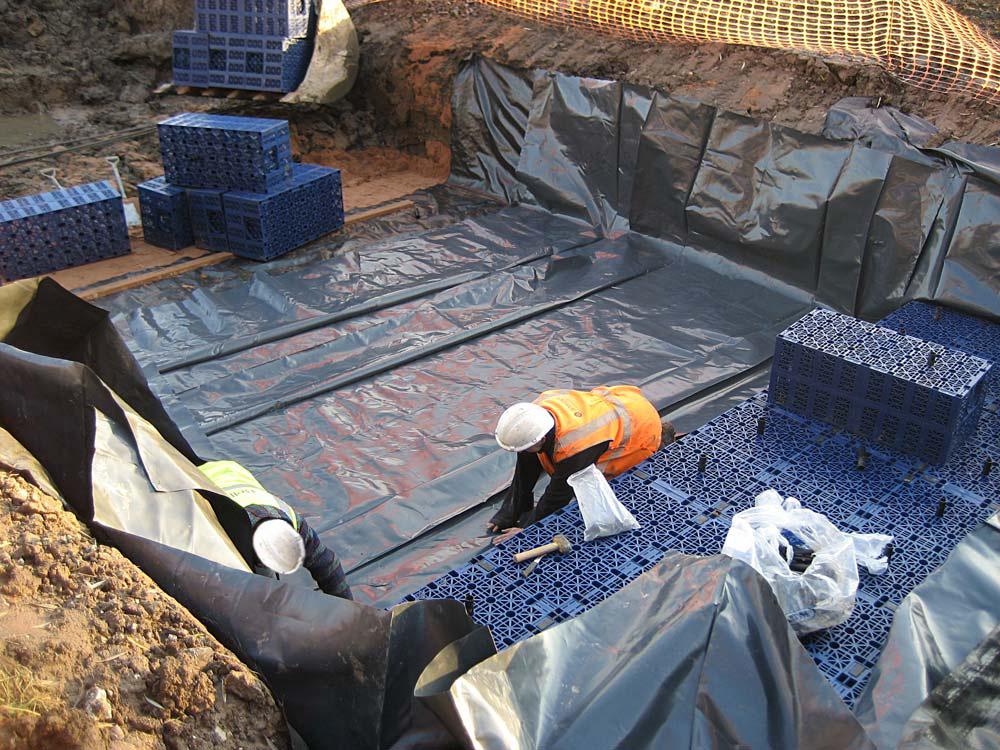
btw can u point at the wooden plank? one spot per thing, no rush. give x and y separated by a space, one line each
211 259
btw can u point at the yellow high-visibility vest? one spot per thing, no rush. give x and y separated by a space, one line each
242 488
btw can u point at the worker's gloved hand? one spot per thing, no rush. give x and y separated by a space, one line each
507 534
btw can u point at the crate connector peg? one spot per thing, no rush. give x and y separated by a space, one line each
902 330
942 506
931 358
469 604
889 551
861 461
49 173
702 463
987 466
761 425
937 312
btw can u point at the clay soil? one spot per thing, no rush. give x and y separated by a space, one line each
94 655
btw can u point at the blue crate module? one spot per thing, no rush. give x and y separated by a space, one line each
191 53
953 329
897 390
258 63
208 219
687 507
164 210
262 227
46 232
225 152
282 18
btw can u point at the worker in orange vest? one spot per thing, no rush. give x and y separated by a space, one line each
566 431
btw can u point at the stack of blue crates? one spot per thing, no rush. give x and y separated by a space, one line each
902 392
242 191
68 227
259 45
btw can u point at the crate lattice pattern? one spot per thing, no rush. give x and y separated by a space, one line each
224 152
46 232
904 393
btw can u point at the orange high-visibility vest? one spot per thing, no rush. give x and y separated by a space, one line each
584 419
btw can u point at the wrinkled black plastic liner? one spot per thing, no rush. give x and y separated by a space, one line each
934 631
694 653
963 712
525 300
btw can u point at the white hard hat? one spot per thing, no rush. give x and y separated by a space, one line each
522 425
279 546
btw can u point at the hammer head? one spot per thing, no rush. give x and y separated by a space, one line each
563 543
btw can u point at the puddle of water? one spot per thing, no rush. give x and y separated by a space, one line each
22 130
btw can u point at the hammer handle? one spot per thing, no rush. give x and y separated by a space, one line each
530 554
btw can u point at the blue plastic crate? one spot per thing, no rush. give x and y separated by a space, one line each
284 18
225 152
190 58
164 210
46 232
258 63
262 227
899 391
208 219
955 330
847 653
512 612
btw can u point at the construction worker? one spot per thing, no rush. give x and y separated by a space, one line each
564 432
282 540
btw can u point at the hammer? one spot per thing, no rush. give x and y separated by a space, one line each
558 544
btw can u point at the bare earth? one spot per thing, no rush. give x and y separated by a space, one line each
94 655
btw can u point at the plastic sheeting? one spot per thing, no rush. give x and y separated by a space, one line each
935 629
343 672
963 712
654 666
658 242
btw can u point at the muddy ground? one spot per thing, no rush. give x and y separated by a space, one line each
94 655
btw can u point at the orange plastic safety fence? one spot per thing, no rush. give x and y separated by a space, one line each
923 42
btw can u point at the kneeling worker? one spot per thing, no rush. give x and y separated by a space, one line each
564 432
282 541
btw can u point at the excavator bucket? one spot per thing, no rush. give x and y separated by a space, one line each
334 65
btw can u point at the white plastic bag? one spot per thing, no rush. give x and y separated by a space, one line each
823 595
602 513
